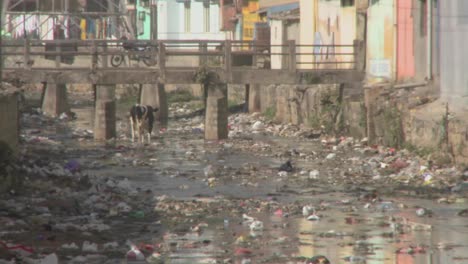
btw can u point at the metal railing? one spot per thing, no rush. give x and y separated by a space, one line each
166 54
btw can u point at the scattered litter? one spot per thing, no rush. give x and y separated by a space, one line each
287 166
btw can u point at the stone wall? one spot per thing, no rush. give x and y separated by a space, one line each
326 107
417 119
9 120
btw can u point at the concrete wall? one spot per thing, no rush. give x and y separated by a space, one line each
412 37
277 38
326 22
9 120
307 30
405 38
281 32
420 40
381 41
416 119
315 106
453 57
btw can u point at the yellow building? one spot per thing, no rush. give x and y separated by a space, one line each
249 18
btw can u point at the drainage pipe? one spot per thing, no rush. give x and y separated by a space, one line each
429 40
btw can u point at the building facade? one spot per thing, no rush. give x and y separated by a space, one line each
189 19
327 22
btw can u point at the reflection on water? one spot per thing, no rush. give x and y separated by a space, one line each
335 239
193 247
368 235
366 240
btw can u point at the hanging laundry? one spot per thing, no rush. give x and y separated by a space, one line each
83 28
46 27
90 28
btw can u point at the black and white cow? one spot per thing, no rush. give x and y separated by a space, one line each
141 121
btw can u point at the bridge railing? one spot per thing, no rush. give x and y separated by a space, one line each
179 54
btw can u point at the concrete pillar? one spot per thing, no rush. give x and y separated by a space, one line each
55 99
216 116
155 95
104 115
254 98
9 122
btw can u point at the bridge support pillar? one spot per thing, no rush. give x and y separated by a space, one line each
55 100
216 113
155 95
104 115
253 99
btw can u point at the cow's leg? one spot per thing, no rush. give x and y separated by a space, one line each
132 129
141 135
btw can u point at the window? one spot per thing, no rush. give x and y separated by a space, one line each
144 3
187 16
206 16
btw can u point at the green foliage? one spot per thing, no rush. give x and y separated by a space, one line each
443 130
232 103
270 112
329 117
180 96
311 78
205 76
127 101
420 151
201 76
314 121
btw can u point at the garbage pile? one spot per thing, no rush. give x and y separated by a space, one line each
63 214
61 211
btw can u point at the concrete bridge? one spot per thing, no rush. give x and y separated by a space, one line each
105 63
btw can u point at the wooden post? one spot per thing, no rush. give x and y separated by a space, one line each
228 60
27 51
292 55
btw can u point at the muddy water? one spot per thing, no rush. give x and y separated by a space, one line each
347 227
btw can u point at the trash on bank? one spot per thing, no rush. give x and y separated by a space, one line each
319 259
287 166
134 254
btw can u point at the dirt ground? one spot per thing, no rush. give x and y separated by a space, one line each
182 199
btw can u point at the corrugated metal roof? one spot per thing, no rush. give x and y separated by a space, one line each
293 14
270 3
